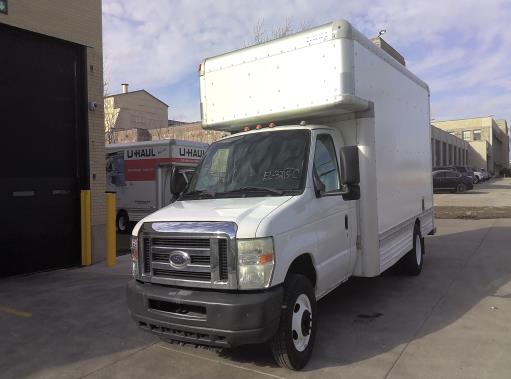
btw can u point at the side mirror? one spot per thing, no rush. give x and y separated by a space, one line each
350 172
177 182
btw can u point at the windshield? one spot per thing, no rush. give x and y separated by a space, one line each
259 164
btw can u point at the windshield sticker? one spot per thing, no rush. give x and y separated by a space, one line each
282 174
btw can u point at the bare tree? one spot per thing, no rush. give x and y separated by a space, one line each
111 114
260 35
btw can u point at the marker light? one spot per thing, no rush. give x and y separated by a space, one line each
258 126
271 125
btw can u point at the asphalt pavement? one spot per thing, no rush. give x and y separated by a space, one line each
453 321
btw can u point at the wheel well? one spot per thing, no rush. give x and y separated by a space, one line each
303 265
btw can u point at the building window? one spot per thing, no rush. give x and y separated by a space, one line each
467 135
3 6
477 135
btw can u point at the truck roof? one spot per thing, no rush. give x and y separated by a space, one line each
309 75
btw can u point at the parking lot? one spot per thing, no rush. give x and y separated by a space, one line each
491 199
452 321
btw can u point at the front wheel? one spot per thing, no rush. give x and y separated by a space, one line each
461 188
293 343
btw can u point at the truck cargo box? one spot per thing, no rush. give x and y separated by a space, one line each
333 75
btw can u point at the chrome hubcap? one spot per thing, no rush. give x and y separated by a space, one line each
418 250
301 322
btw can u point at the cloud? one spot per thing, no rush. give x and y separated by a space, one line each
462 49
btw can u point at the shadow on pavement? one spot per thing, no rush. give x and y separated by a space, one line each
366 317
80 322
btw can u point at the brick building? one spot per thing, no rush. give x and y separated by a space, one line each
448 150
487 137
135 110
52 105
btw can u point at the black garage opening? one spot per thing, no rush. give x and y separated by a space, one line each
43 150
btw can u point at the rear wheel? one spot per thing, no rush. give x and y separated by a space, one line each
476 179
293 343
122 222
461 188
412 262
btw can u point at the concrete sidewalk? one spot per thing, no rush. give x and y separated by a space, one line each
453 321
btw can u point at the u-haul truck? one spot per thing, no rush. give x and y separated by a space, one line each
139 174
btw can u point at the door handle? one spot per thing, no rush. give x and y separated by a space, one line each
346 222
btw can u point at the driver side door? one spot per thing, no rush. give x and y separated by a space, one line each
331 214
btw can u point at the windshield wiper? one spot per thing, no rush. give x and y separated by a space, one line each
257 189
199 193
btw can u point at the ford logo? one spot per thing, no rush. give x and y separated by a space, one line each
179 259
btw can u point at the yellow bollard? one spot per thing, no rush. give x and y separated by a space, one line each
86 227
111 253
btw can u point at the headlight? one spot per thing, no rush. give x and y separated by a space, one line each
255 262
134 256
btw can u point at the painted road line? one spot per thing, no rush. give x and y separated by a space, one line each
14 311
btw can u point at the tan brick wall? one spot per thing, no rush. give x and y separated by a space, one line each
132 135
137 110
77 21
71 20
493 133
188 132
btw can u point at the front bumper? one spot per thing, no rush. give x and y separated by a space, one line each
224 319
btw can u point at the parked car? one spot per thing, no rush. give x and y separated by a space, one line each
450 180
478 175
487 175
464 170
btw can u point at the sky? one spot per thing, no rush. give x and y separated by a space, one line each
461 48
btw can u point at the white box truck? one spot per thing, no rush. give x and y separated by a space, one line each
139 173
327 175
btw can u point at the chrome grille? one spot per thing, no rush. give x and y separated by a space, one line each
146 253
222 258
189 275
209 255
194 243
208 261
200 251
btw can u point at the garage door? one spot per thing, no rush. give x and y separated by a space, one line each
42 125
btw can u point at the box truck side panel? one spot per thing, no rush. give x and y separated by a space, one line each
403 150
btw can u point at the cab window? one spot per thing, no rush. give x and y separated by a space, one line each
325 163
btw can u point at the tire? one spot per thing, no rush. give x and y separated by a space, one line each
292 345
460 188
476 180
412 261
122 222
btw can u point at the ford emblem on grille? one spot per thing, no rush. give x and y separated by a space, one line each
179 259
